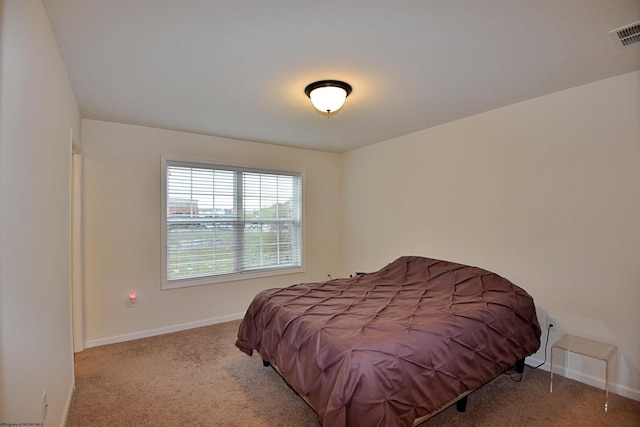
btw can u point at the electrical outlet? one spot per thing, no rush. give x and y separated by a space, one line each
552 323
45 405
133 300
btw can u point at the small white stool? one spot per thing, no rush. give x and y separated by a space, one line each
608 353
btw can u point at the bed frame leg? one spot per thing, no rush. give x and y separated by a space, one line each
461 405
266 364
520 366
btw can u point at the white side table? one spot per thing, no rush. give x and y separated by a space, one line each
608 353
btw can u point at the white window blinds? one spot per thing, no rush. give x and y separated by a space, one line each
224 220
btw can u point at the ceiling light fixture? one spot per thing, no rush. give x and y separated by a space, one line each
328 95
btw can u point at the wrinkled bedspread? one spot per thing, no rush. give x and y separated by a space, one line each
385 348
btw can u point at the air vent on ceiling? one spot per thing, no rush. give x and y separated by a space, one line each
627 35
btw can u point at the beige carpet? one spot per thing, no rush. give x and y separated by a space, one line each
198 378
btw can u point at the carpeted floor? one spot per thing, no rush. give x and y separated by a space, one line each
199 378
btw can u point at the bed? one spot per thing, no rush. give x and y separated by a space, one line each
394 346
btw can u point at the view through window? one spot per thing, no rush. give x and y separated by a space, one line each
224 220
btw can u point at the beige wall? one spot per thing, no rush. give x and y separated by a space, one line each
545 192
37 112
122 232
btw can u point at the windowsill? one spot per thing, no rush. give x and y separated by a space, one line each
233 277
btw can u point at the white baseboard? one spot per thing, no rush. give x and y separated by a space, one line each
616 388
161 331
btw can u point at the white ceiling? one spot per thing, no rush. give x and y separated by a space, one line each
238 68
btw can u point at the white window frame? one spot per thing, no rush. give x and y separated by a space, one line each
221 278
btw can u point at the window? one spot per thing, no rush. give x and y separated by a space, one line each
224 223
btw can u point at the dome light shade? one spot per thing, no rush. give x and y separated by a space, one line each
328 95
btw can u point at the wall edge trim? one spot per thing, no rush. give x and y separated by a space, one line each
161 331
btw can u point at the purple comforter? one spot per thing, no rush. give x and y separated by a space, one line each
385 348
